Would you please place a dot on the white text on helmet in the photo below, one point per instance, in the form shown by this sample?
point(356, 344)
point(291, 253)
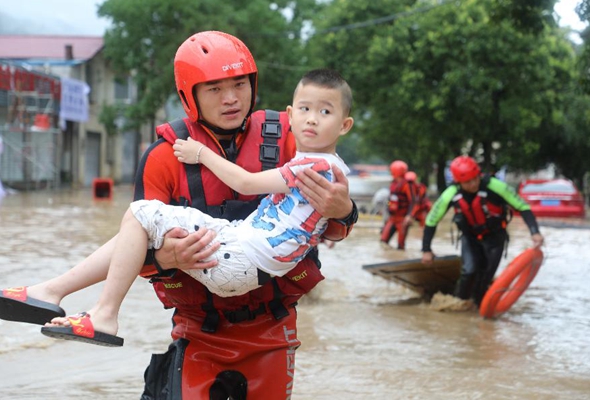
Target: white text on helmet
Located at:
point(232, 66)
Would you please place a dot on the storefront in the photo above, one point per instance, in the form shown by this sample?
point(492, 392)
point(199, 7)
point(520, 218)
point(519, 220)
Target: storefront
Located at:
point(29, 107)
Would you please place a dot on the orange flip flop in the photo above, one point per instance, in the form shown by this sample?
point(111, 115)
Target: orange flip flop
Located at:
point(82, 330)
point(16, 306)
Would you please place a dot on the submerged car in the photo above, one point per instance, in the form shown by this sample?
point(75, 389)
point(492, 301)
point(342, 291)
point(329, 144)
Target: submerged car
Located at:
point(553, 198)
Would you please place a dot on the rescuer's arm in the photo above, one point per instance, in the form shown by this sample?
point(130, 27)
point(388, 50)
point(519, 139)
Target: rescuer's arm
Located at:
point(519, 204)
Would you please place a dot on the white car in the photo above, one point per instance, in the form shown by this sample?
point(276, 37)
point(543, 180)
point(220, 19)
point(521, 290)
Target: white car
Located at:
point(364, 182)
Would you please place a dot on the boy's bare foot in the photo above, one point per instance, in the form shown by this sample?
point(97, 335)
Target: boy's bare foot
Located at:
point(100, 321)
point(81, 328)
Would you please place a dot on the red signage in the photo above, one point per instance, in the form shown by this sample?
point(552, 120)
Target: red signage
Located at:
point(18, 79)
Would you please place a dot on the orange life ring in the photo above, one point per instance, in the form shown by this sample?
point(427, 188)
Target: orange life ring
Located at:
point(506, 289)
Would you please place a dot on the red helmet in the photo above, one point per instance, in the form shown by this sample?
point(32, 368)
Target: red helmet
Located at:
point(464, 168)
point(410, 176)
point(398, 168)
point(209, 56)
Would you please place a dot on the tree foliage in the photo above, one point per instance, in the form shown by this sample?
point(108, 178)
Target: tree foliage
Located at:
point(455, 77)
point(432, 79)
point(145, 35)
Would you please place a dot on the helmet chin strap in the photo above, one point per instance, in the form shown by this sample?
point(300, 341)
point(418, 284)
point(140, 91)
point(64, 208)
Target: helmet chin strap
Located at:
point(220, 131)
point(229, 145)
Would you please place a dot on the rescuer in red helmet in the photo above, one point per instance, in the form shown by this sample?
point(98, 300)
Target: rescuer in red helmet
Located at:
point(419, 194)
point(230, 344)
point(224, 347)
point(481, 207)
point(400, 206)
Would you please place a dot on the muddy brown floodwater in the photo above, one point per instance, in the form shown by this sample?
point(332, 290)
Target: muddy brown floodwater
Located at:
point(363, 337)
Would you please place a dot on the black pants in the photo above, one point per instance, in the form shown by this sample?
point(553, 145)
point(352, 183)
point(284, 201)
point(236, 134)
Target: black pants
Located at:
point(480, 260)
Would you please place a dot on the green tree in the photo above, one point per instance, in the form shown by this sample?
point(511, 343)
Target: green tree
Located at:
point(431, 79)
point(444, 78)
point(145, 35)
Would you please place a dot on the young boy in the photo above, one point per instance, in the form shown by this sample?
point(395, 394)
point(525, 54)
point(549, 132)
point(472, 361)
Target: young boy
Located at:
point(277, 235)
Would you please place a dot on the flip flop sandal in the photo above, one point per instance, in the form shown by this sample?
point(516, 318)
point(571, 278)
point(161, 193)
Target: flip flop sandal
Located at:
point(82, 330)
point(16, 306)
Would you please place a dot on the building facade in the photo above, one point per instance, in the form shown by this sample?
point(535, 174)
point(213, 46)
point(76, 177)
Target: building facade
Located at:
point(43, 146)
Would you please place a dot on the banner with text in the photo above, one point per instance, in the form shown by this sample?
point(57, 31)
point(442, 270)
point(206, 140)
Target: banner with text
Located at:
point(74, 100)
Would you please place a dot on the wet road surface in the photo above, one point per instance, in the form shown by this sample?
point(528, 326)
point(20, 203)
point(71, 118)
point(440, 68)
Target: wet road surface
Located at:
point(363, 337)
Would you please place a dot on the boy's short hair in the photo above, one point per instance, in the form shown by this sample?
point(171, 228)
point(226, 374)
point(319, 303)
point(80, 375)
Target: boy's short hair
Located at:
point(331, 79)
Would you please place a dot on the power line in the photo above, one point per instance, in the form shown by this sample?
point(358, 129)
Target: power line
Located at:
point(382, 20)
point(364, 24)
point(356, 25)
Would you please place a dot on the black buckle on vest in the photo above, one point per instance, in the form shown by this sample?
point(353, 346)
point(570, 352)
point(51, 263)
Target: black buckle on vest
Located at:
point(278, 309)
point(211, 322)
point(269, 153)
point(276, 306)
point(271, 130)
point(244, 314)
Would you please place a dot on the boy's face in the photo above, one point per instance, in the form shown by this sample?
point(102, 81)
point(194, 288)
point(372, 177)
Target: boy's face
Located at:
point(225, 103)
point(317, 118)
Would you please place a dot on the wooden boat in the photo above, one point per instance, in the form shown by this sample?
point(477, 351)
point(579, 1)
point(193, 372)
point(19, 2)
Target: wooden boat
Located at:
point(440, 276)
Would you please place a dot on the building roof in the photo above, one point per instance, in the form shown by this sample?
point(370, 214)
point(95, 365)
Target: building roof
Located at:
point(49, 47)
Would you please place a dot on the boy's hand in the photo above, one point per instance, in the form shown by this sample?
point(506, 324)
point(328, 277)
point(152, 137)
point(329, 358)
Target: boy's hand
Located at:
point(187, 151)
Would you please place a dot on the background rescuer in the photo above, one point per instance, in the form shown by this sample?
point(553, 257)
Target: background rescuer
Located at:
point(481, 208)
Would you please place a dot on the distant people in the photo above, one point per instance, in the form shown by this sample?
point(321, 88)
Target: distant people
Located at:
point(400, 207)
point(481, 206)
point(419, 193)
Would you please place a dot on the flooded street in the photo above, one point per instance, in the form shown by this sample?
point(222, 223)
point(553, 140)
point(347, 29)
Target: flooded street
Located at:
point(362, 336)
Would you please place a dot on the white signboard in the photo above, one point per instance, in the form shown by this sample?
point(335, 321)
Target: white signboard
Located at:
point(74, 100)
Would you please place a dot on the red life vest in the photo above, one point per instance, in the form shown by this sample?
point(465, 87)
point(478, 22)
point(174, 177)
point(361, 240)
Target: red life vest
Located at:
point(481, 215)
point(400, 197)
point(283, 291)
